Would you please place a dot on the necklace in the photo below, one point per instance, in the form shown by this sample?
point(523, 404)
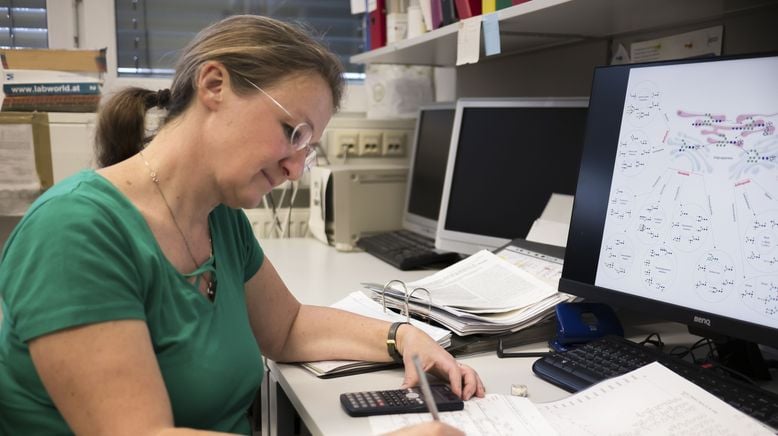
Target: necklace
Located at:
point(210, 289)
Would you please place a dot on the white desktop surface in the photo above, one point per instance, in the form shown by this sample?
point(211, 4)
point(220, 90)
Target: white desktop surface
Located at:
point(318, 274)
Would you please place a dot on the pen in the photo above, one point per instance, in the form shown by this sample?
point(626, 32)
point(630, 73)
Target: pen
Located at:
point(429, 400)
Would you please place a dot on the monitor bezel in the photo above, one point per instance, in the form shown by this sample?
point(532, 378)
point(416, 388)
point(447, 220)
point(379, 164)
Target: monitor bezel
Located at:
point(700, 321)
point(469, 243)
point(411, 221)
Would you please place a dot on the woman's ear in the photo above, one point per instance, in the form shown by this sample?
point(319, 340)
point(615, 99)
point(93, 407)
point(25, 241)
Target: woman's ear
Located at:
point(212, 83)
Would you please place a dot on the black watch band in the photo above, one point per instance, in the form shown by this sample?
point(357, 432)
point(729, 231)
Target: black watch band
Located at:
point(391, 342)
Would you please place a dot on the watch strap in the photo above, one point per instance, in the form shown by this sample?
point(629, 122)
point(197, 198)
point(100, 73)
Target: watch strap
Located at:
point(391, 342)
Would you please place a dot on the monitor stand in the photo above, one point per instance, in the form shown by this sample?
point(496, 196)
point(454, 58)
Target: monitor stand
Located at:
point(742, 356)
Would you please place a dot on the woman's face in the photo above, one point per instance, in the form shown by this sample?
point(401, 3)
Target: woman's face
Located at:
point(256, 153)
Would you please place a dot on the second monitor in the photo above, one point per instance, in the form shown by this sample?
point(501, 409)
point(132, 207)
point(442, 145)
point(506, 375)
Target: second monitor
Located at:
point(507, 157)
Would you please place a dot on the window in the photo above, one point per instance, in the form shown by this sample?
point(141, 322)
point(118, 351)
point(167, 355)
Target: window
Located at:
point(151, 32)
point(23, 24)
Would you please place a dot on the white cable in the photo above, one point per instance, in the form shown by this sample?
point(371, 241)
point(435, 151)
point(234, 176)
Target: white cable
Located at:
point(295, 186)
point(279, 228)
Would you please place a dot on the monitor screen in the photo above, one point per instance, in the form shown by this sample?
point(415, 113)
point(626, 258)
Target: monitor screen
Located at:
point(676, 210)
point(507, 157)
point(428, 168)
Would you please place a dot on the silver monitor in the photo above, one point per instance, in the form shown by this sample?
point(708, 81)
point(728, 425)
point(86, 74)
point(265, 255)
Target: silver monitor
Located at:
point(428, 168)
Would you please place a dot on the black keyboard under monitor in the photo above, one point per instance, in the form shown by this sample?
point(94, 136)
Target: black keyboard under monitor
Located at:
point(405, 249)
point(612, 356)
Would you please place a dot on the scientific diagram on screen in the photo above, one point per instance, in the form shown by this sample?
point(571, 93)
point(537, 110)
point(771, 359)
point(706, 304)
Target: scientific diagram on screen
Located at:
point(692, 214)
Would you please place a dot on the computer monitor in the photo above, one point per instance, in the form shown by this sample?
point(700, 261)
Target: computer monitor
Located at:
point(428, 168)
point(676, 210)
point(507, 157)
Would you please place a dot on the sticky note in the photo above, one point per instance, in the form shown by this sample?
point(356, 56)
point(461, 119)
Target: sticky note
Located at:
point(469, 40)
point(491, 34)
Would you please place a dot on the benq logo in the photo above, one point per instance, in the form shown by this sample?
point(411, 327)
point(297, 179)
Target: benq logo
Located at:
point(701, 320)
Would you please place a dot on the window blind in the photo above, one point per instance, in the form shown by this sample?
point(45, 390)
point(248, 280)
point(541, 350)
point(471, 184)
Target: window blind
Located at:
point(150, 33)
point(23, 24)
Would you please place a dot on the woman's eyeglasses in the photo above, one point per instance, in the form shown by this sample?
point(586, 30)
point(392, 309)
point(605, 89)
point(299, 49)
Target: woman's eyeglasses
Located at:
point(299, 135)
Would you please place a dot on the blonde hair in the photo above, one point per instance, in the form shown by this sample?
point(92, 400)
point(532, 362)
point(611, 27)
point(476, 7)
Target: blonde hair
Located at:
point(252, 48)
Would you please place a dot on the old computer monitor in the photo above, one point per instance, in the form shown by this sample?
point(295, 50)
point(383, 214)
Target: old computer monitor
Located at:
point(676, 210)
point(507, 157)
point(429, 155)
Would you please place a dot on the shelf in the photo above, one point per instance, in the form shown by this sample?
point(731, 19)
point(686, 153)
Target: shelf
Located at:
point(540, 24)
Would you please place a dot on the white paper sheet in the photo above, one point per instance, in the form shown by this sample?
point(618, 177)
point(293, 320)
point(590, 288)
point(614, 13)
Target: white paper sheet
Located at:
point(492, 415)
point(650, 401)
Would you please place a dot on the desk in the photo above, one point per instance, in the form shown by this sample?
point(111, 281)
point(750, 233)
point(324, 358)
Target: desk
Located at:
point(317, 274)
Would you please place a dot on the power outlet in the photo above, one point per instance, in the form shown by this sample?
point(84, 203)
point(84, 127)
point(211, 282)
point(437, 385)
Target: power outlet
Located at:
point(345, 142)
point(394, 143)
point(370, 143)
point(264, 228)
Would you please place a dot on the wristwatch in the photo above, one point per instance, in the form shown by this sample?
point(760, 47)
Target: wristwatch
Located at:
point(391, 342)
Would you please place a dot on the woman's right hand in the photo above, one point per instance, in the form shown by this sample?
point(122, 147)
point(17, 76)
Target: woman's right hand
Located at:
point(435, 428)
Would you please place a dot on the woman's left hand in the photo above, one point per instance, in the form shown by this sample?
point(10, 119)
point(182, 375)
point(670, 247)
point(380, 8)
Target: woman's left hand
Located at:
point(463, 379)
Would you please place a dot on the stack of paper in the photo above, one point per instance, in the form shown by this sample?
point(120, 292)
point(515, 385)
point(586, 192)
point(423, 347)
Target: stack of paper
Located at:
point(358, 302)
point(480, 294)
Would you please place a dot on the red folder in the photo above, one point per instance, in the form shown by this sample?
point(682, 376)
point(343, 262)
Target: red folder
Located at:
point(377, 22)
point(468, 8)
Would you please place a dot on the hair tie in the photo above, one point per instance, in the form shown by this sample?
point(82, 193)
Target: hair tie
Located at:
point(163, 98)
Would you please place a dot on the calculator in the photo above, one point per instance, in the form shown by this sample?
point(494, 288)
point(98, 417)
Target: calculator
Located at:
point(409, 400)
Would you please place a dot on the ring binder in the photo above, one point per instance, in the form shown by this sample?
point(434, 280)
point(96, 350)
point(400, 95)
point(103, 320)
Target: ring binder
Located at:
point(429, 304)
point(388, 285)
point(407, 299)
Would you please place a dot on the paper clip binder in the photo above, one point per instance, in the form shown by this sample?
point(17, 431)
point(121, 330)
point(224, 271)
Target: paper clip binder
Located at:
point(408, 296)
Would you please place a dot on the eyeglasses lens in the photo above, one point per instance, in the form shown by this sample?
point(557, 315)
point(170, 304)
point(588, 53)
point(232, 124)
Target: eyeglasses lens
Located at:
point(301, 136)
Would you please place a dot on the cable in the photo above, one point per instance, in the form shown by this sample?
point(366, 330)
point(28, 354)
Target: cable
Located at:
point(295, 186)
point(655, 342)
point(323, 153)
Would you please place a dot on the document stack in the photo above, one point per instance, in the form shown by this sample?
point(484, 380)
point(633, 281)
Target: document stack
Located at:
point(482, 294)
point(52, 80)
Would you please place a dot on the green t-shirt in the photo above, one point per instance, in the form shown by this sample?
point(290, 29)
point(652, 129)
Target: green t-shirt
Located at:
point(84, 254)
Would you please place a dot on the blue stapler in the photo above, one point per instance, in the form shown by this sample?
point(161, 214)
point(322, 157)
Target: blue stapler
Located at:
point(579, 323)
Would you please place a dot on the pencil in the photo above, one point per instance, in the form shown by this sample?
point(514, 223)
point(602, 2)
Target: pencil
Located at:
point(429, 400)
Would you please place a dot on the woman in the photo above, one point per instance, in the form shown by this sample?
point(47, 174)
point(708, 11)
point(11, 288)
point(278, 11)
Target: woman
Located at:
point(136, 299)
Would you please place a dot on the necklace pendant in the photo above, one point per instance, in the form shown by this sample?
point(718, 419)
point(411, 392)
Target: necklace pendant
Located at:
point(210, 291)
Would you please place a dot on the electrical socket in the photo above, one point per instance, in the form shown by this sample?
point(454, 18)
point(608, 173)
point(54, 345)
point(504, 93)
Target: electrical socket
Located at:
point(370, 143)
point(394, 143)
point(345, 142)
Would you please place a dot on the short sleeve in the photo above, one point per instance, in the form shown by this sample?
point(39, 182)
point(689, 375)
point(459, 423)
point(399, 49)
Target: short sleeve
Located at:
point(253, 254)
point(69, 263)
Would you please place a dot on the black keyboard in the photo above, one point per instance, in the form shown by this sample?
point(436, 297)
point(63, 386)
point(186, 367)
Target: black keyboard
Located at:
point(405, 249)
point(612, 356)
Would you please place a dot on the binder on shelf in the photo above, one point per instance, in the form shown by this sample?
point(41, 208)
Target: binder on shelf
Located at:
point(377, 25)
point(448, 12)
point(488, 6)
point(468, 8)
point(436, 13)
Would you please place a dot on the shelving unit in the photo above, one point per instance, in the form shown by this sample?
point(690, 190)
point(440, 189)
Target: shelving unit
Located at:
point(541, 24)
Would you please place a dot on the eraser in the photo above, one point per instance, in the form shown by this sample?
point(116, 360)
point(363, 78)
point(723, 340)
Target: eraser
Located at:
point(519, 390)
